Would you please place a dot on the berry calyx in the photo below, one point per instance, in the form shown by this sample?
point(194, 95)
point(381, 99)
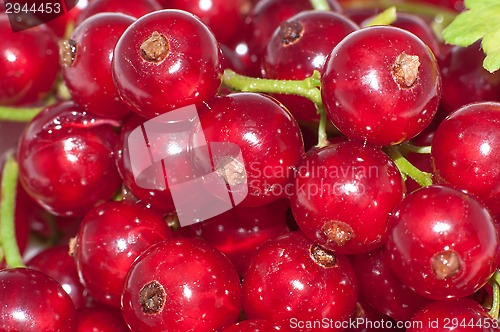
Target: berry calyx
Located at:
point(155, 48)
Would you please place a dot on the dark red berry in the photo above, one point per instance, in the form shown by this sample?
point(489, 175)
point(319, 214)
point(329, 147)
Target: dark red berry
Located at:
point(181, 285)
point(293, 281)
point(136, 8)
point(29, 64)
point(466, 152)
point(65, 156)
point(100, 319)
point(443, 243)
point(344, 194)
point(86, 58)
point(32, 301)
point(381, 85)
point(166, 60)
point(110, 238)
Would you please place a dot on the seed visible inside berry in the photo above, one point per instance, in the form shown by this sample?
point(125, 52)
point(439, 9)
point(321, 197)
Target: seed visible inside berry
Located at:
point(446, 264)
point(152, 297)
point(155, 48)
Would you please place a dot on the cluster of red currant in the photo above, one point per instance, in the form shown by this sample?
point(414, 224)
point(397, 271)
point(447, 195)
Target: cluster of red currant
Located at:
point(355, 157)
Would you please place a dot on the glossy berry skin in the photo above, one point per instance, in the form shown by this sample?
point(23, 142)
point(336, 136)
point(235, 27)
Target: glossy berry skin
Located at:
point(299, 46)
point(110, 238)
point(87, 72)
point(458, 315)
point(381, 85)
point(79, 149)
point(443, 243)
point(181, 285)
point(166, 60)
point(344, 194)
point(465, 81)
point(57, 263)
point(224, 18)
point(465, 152)
point(293, 280)
point(137, 8)
point(34, 302)
point(268, 136)
point(239, 232)
point(29, 64)
point(382, 289)
point(100, 319)
point(256, 325)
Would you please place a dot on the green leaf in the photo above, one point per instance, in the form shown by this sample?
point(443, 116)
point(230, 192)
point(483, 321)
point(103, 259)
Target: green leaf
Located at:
point(481, 20)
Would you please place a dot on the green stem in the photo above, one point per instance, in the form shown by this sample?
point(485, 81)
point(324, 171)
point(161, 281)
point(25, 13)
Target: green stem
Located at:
point(422, 178)
point(439, 13)
point(320, 5)
point(415, 149)
point(308, 87)
point(7, 211)
point(386, 17)
point(495, 306)
point(322, 136)
point(18, 114)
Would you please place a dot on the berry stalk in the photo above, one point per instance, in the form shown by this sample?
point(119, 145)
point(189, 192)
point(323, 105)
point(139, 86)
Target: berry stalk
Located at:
point(424, 179)
point(495, 306)
point(386, 17)
point(308, 87)
point(7, 210)
point(415, 149)
point(18, 114)
point(320, 5)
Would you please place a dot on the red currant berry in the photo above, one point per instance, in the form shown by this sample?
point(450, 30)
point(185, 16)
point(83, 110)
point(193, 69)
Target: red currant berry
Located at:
point(256, 325)
point(166, 60)
point(459, 315)
point(268, 136)
point(86, 59)
point(136, 8)
point(110, 238)
point(79, 149)
point(181, 285)
point(101, 320)
point(466, 152)
point(443, 243)
point(32, 301)
point(299, 46)
point(344, 194)
point(382, 289)
point(59, 265)
point(381, 85)
point(29, 63)
point(292, 281)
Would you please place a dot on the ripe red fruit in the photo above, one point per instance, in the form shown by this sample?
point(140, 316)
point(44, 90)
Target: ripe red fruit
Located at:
point(166, 60)
point(86, 69)
point(136, 8)
point(29, 64)
point(181, 285)
point(466, 152)
point(381, 85)
point(443, 243)
point(293, 282)
point(32, 301)
point(65, 155)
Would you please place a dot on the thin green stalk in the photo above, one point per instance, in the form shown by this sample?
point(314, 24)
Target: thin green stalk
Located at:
point(386, 17)
point(495, 306)
point(322, 136)
point(415, 149)
point(320, 5)
point(414, 7)
point(424, 179)
point(7, 211)
point(308, 87)
point(18, 114)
